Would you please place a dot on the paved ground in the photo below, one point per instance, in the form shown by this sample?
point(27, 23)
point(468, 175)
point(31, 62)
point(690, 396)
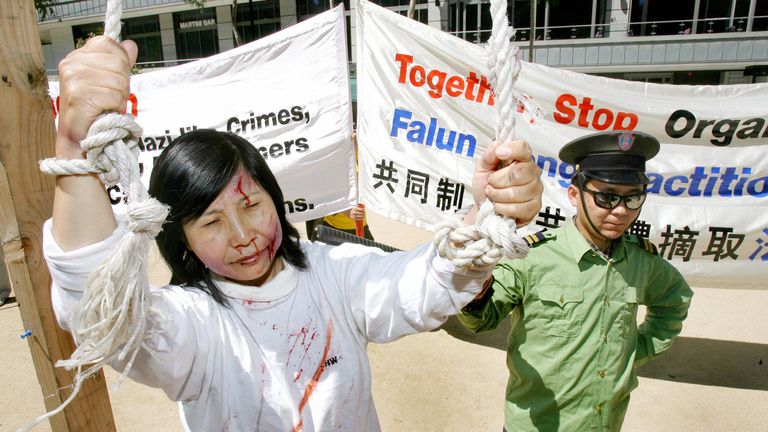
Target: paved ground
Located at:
point(715, 377)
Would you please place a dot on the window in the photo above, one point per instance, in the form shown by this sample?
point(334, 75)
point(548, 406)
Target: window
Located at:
point(569, 19)
point(196, 34)
point(82, 33)
point(145, 31)
point(258, 19)
point(306, 9)
point(421, 15)
point(652, 77)
point(470, 20)
point(394, 3)
point(662, 18)
point(720, 16)
point(761, 16)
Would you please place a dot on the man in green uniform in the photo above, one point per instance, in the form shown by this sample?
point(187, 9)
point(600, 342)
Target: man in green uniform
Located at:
point(575, 342)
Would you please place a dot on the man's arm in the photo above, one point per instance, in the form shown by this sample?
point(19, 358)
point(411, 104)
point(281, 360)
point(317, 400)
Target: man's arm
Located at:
point(504, 291)
point(667, 307)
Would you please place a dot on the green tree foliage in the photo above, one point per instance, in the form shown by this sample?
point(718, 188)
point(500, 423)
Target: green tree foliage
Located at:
point(45, 7)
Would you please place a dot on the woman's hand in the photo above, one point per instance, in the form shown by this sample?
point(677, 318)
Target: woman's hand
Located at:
point(93, 79)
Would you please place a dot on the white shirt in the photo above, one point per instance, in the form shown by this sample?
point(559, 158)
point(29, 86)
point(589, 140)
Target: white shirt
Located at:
point(289, 355)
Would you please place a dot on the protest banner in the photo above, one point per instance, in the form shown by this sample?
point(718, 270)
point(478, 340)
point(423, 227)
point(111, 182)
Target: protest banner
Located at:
point(288, 94)
point(426, 112)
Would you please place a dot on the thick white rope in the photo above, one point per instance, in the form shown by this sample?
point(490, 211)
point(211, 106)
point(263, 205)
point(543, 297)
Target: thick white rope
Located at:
point(109, 323)
point(482, 244)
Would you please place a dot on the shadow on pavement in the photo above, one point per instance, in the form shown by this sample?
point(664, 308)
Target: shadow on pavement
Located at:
point(710, 362)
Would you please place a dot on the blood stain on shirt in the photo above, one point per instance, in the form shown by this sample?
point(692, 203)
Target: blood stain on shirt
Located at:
point(316, 376)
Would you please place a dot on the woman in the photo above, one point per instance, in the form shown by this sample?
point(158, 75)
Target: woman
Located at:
point(256, 331)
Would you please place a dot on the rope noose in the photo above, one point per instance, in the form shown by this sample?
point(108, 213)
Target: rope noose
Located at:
point(110, 322)
point(483, 244)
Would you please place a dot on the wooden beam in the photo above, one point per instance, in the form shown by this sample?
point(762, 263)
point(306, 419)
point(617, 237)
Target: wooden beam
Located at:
point(26, 200)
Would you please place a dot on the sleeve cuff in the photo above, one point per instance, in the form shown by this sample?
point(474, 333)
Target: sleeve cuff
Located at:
point(477, 305)
point(69, 270)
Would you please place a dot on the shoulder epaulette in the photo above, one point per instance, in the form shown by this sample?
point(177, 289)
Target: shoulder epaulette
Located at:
point(540, 236)
point(645, 244)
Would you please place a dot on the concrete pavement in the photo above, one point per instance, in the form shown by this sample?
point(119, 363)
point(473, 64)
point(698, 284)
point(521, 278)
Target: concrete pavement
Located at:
point(714, 378)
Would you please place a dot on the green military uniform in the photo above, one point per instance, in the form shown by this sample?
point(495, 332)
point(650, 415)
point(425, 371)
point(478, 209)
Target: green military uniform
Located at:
point(575, 341)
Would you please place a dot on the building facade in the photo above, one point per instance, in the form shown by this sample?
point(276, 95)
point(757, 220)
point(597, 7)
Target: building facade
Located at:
point(678, 42)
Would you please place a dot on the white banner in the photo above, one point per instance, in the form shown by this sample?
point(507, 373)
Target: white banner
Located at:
point(426, 112)
point(288, 94)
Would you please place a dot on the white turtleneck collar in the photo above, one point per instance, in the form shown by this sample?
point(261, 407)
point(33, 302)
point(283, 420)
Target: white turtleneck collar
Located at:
point(278, 287)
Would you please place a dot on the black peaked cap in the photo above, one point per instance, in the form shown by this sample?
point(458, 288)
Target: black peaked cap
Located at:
point(612, 157)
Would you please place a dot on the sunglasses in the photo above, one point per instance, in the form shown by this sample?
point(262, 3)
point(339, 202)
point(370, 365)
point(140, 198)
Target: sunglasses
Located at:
point(608, 200)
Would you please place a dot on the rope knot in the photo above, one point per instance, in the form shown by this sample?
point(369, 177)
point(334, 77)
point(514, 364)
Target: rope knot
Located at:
point(111, 146)
point(480, 245)
point(501, 231)
point(147, 216)
point(111, 136)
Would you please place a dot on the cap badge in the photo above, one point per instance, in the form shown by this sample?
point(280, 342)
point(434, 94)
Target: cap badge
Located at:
point(626, 140)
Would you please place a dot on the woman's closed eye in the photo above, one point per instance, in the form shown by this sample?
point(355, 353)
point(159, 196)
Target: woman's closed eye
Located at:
point(210, 223)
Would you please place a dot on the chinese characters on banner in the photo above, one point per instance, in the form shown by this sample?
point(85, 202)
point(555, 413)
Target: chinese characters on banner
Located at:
point(426, 112)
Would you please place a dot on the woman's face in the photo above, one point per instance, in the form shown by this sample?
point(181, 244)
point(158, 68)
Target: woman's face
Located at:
point(239, 234)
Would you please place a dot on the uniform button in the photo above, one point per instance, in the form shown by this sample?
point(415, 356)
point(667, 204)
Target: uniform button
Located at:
point(598, 407)
point(562, 299)
point(602, 374)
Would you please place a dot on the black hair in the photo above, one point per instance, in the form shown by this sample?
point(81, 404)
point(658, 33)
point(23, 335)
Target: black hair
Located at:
point(188, 176)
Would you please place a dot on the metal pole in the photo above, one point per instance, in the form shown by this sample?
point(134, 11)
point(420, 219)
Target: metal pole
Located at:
point(533, 31)
point(250, 11)
point(695, 26)
point(751, 18)
point(412, 9)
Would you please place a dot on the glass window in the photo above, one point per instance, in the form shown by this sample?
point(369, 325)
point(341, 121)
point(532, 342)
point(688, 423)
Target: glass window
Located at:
point(715, 17)
point(422, 15)
point(145, 31)
point(393, 3)
point(348, 21)
point(663, 18)
point(82, 33)
point(470, 20)
point(196, 34)
point(570, 19)
point(305, 9)
point(761, 16)
point(651, 77)
point(519, 12)
point(258, 19)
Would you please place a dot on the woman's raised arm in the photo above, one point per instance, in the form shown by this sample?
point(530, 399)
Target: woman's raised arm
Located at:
point(93, 79)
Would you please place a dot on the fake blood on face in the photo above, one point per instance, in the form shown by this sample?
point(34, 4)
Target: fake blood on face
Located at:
point(239, 189)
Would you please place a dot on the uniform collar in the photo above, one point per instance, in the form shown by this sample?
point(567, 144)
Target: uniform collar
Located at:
point(280, 286)
point(581, 249)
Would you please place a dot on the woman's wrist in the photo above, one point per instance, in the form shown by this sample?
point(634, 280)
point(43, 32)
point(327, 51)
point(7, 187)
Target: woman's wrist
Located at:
point(67, 148)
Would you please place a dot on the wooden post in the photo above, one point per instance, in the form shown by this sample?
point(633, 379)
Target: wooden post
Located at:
point(26, 200)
